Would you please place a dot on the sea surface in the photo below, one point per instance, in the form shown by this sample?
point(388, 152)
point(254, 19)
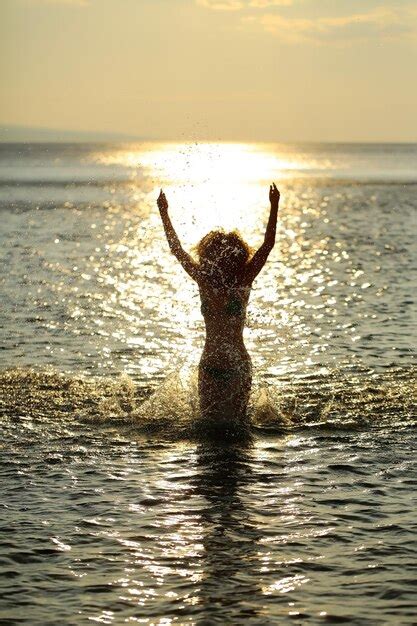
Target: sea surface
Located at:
point(112, 510)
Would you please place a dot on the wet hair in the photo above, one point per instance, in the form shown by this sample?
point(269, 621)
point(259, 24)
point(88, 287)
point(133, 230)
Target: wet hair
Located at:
point(223, 256)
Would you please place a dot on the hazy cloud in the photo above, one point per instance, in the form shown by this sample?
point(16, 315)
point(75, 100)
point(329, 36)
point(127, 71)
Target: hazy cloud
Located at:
point(381, 23)
point(262, 4)
point(237, 5)
point(221, 5)
point(80, 3)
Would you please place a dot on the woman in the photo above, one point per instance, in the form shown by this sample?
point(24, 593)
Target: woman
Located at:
point(224, 274)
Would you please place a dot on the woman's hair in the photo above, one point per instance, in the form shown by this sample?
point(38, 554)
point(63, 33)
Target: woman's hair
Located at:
point(223, 256)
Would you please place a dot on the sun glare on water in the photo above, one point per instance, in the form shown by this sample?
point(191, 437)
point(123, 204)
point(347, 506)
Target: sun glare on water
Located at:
point(209, 185)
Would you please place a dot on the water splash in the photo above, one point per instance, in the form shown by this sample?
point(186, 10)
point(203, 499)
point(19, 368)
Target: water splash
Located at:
point(333, 400)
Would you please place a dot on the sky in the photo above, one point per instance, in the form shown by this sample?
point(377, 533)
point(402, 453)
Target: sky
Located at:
point(220, 70)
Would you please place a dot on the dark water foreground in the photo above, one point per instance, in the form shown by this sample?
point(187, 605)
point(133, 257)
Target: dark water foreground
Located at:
point(113, 517)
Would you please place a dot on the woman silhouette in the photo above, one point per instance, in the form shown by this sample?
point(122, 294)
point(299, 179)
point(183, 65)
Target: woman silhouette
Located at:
point(224, 274)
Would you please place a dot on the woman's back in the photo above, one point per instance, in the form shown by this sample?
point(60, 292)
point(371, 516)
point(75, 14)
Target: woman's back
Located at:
point(224, 274)
point(224, 312)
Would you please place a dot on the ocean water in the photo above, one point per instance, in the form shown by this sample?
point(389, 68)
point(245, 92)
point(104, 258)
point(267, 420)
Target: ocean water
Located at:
point(112, 511)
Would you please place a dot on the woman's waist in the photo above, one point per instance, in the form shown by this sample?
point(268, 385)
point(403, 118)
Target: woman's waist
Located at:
point(225, 330)
point(221, 354)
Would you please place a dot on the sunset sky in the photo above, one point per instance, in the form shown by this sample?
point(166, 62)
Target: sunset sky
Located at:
point(278, 70)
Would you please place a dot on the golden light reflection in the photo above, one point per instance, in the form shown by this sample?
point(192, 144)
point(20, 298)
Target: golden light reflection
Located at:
point(200, 162)
point(286, 584)
point(155, 308)
point(212, 184)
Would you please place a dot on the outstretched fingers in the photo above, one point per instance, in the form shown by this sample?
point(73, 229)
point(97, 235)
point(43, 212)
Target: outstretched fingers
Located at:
point(274, 194)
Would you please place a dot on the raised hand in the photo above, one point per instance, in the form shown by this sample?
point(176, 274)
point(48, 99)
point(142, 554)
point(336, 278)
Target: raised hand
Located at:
point(274, 195)
point(162, 202)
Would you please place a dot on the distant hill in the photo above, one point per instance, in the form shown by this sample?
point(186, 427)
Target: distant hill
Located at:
point(27, 134)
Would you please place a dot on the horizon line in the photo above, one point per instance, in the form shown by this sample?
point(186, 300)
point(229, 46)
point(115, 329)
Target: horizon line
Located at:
point(20, 134)
point(209, 141)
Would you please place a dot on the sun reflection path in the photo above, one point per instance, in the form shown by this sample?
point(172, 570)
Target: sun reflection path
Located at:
point(226, 185)
point(210, 185)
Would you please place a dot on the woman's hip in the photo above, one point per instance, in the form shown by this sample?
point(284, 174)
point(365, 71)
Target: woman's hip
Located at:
point(225, 372)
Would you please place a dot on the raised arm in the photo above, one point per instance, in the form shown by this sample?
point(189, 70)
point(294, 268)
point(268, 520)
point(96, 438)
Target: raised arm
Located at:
point(259, 258)
point(177, 250)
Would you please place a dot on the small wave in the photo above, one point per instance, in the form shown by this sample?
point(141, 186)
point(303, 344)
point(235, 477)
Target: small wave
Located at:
point(47, 394)
point(331, 401)
point(73, 183)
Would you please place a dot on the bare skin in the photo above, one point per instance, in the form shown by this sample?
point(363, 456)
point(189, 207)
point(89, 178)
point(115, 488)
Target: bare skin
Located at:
point(225, 372)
